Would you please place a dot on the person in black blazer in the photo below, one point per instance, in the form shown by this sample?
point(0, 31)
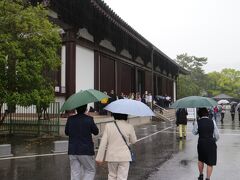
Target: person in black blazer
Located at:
point(207, 149)
point(80, 128)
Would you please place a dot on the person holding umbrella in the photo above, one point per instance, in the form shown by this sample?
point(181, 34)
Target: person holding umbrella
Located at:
point(207, 148)
point(80, 128)
point(221, 109)
point(118, 135)
point(117, 151)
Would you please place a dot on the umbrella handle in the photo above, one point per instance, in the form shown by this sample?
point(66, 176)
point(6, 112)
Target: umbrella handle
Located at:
point(194, 121)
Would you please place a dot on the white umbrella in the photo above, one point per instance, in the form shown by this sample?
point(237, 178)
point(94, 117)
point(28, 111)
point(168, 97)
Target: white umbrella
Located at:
point(129, 106)
point(233, 103)
point(223, 101)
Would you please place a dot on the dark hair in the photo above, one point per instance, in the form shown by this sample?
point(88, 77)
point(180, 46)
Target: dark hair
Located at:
point(202, 112)
point(81, 109)
point(120, 116)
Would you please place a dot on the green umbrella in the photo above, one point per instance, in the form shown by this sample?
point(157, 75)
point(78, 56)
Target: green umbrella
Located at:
point(194, 102)
point(83, 97)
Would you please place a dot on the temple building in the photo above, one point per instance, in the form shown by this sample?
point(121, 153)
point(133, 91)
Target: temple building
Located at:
point(101, 51)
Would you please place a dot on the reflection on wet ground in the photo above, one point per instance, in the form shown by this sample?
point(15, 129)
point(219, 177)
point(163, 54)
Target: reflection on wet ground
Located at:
point(183, 165)
point(159, 156)
point(30, 145)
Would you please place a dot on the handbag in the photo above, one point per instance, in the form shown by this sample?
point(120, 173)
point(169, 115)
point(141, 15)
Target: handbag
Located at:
point(131, 152)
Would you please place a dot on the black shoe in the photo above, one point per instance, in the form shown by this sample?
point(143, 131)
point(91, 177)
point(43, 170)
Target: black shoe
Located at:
point(207, 179)
point(200, 177)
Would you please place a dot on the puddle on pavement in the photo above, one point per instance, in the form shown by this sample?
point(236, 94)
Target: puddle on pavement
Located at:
point(184, 162)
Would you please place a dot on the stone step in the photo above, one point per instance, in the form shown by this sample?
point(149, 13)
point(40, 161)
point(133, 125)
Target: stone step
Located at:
point(5, 150)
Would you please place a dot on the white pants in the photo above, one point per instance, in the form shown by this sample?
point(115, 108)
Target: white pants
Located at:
point(118, 170)
point(82, 167)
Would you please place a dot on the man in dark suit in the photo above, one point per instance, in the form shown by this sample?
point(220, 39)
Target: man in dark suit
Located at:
point(80, 128)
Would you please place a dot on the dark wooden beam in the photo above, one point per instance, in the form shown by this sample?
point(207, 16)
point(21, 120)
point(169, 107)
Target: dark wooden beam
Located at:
point(70, 63)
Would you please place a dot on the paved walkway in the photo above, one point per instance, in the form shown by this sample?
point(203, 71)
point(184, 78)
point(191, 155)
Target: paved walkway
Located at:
point(183, 165)
point(160, 156)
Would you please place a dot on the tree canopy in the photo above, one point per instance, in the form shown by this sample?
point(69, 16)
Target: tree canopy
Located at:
point(200, 84)
point(227, 81)
point(28, 52)
point(192, 84)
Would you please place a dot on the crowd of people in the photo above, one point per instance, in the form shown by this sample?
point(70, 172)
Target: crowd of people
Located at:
point(114, 146)
point(218, 112)
point(146, 98)
point(118, 135)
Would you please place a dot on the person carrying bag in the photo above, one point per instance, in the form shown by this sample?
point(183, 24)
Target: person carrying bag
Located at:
point(113, 147)
point(131, 152)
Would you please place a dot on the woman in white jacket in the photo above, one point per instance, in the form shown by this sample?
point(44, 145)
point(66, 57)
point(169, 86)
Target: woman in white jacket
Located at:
point(114, 148)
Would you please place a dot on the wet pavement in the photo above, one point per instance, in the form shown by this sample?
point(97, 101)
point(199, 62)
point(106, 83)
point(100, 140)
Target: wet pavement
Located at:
point(159, 156)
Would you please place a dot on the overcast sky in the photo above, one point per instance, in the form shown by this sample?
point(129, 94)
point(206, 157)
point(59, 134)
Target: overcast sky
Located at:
point(203, 28)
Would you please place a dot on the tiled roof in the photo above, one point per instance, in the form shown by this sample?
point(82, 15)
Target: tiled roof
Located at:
point(113, 17)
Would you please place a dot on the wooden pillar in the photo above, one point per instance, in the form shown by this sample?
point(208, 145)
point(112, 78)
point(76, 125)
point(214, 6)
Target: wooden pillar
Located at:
point(152, 73)
point(136, 79)
point(116, 77)
point(70, 63)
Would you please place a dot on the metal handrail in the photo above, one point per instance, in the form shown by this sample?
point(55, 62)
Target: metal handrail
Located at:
point(163, 109)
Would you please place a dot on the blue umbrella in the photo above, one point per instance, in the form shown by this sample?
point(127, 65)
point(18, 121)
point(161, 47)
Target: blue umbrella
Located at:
point(129, 106)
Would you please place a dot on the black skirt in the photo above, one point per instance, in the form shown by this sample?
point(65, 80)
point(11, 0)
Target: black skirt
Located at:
point(207, 151)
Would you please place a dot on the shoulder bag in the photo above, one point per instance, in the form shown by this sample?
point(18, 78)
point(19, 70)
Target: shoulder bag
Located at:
point(131, 152)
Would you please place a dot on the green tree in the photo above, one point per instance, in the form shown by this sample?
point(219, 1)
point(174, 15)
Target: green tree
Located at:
point(213, 88)
point(194, 83)
point(227, 81)
point(28, 52)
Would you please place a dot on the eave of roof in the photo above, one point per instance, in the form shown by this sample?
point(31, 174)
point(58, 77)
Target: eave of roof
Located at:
point(112, 16)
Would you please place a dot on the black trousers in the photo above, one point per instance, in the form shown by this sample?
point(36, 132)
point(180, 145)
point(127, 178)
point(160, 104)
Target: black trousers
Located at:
point(222, 116)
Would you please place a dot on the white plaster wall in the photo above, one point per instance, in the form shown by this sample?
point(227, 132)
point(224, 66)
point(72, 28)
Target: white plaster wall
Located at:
point(84, 68)
point(61, 100)
point(174, 91)
point(63, 69)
